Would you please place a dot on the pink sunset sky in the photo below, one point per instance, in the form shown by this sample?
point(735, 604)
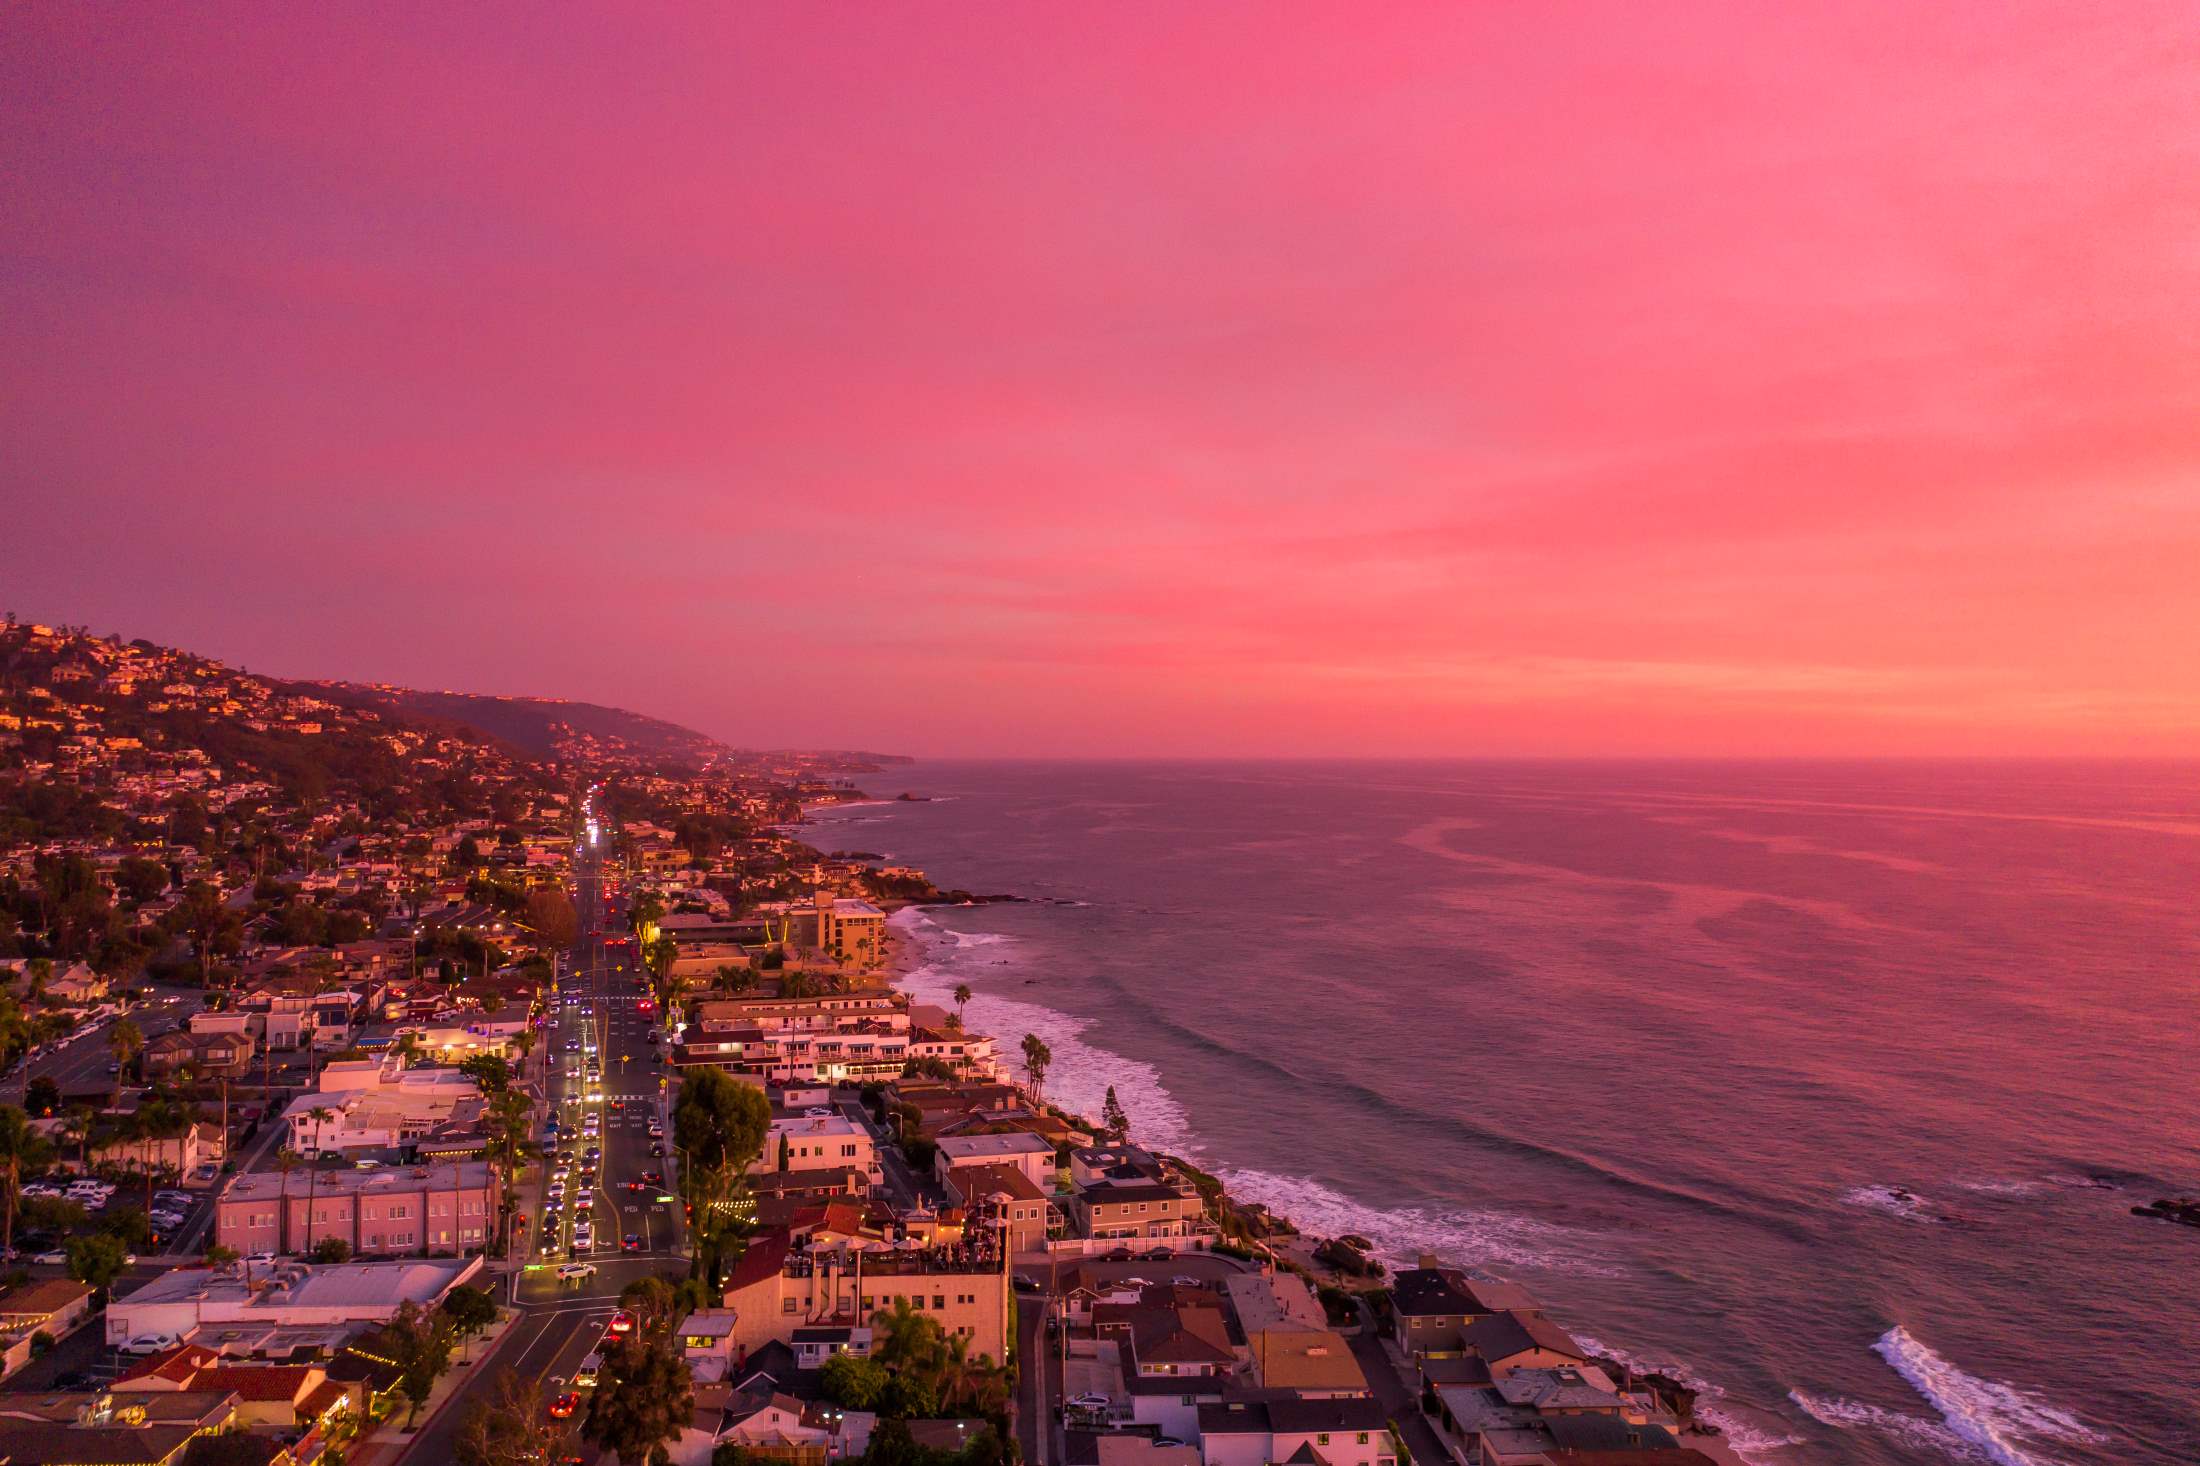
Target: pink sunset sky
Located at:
point(1123, 379)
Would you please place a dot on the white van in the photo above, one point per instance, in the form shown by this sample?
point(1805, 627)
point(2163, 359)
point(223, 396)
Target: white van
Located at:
point(584, 1378)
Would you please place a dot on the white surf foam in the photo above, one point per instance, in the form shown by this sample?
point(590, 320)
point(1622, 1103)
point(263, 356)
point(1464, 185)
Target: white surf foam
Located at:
point(1079, 1077)
point(1082, 1072)
point(2003, 1422)
point(1468, 1235)
point(1749, 1438)
point(1913, 1430)
point(1893, 1200)
point(2003, 1188)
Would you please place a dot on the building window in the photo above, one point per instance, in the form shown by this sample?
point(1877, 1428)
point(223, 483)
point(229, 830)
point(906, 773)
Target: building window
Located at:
point(786, 1305)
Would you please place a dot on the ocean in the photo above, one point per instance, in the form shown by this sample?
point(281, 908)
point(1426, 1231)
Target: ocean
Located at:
point(1827, 1086)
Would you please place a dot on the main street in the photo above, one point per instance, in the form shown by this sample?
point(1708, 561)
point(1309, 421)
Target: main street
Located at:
point(596, 1014)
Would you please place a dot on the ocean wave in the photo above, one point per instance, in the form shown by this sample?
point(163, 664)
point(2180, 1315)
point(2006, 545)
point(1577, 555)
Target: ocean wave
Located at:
point(1082, 1072)
point(2002, 1188)
point(1913, 1430)
point(1401, 1234)
point(2000, 1421)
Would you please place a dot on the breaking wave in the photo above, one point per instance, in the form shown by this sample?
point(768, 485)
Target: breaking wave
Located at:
point(1999, 1420)
point(1980, 1419)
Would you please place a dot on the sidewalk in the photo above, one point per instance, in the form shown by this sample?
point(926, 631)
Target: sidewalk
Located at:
point(388, 1444)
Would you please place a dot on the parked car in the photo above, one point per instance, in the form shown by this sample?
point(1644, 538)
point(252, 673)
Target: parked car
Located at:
point(1087, 1402)
point(59, 1257)
point(151, 1343)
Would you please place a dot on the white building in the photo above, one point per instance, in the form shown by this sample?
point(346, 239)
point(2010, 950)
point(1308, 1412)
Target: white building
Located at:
point(820, 1143)
point(1020, 1149)
point(290, 1294)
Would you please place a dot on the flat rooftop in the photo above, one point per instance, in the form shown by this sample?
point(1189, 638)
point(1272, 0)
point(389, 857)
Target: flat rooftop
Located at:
point(351, 1181)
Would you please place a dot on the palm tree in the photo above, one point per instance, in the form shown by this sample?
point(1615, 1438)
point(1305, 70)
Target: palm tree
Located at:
point(962, 1000)
point(77, 1126)
point(509, 1125)
point(20, 1146)
point(1037, 1056)
point(320, 1115)
point(125, 1042)
point(159, 1120)
point(286, 1161)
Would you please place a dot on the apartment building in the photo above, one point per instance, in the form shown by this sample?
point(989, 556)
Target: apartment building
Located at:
point(400, 1210)
point(776, 1289)
point(853, 931)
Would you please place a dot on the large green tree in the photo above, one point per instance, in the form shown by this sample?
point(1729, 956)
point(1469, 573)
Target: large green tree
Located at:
point(644, 1398)
point(719, 1124)
point(420, 1343)
point(550, 912)
point(513, 1427)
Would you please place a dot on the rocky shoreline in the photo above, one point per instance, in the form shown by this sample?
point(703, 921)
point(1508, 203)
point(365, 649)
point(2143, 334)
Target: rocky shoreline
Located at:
point(1345, 1273)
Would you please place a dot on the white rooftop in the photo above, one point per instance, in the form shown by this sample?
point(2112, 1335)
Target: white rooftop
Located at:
point(1017, 1142)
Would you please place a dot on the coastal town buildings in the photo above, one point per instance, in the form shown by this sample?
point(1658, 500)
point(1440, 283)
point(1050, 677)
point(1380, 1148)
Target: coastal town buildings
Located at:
point(421, 1211)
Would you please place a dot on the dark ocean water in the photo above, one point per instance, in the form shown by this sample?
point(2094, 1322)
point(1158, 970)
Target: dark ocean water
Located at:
point(1829, 1086)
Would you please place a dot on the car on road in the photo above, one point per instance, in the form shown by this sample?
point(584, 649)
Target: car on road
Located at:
point(563, 1406)
point(585, 1376)
point(59, 1257)
point(653, 1178)
point(657, 1148)
point(573, 1272)
point(622, 1324)
point(631, 1242)
point(656, 1131)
